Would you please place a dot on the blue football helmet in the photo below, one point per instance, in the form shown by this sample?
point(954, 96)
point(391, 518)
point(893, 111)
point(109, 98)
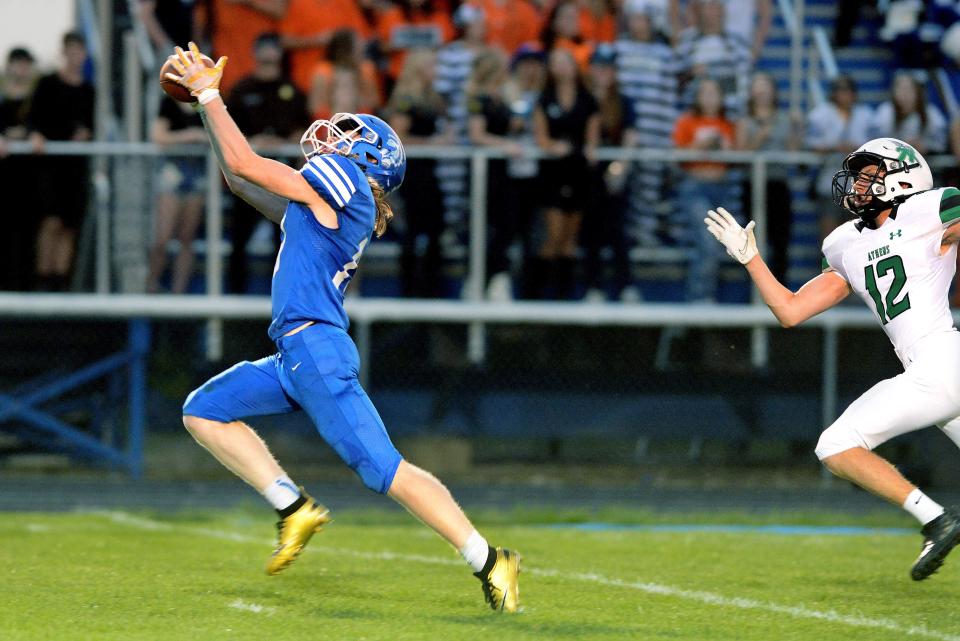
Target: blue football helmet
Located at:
point(366, 140)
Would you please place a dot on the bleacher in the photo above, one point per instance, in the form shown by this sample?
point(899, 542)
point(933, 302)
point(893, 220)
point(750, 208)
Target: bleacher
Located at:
point(868, 60)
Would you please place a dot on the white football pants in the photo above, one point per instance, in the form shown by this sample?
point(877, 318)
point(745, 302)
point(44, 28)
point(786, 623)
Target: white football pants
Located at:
point(927, 393)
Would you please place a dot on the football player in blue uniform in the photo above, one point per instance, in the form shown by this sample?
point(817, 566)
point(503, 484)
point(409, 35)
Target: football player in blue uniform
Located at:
point(328, 212)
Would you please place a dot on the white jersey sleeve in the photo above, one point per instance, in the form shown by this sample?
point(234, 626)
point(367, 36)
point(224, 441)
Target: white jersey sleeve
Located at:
point(833, 247)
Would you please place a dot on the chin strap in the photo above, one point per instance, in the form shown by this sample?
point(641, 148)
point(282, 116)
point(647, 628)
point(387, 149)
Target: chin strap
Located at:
point(872, 222)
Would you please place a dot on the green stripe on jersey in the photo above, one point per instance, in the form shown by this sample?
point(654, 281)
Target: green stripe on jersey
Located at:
point(949, 204)
point(824, 265)
point(950, 214)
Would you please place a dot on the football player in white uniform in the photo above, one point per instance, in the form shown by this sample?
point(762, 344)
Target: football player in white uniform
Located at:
point(899, 254)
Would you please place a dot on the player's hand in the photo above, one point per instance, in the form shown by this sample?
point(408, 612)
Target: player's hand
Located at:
point(196, 76)
point(739, 241)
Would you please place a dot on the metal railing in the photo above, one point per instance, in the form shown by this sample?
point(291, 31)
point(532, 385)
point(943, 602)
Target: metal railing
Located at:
point(474, 285)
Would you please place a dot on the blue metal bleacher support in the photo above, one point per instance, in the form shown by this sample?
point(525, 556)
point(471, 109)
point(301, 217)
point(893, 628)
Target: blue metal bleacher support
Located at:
point(23, 404)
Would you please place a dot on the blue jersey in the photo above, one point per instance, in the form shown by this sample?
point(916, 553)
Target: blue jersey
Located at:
point(315, 263)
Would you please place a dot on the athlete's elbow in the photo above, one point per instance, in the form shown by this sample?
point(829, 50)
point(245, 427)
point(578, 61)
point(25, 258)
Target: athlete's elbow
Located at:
point(241, 163)
point(786, 319)
point(787, 322)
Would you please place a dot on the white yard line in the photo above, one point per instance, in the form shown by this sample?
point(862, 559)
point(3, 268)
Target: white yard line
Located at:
point(708, 598)
point(253, 607)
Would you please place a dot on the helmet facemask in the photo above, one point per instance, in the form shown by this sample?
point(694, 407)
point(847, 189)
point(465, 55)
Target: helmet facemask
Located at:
point(338, 135)
point(861, 185)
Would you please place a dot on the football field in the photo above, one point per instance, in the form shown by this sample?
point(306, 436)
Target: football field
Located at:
point(131, 575)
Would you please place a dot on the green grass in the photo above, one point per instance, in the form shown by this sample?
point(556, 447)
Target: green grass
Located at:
point(100, 576)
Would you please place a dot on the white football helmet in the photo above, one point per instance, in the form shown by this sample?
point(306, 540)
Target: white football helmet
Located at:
point(901, 172)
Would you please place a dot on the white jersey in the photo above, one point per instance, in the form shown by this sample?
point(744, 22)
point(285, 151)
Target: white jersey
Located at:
point(898, 270)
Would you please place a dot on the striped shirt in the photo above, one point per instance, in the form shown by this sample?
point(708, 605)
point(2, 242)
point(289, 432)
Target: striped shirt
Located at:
point(725, 58)
point(647, 74)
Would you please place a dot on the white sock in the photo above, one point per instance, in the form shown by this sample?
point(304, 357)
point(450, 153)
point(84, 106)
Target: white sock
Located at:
point(281, 493)
point(922, 507)
point(474, 551)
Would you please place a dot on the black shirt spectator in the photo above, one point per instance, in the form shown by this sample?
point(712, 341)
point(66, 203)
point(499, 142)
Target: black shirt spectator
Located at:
point(270, 110)
point(17, 172)
point(62, 109)
point(417, 113)
point(567, 125)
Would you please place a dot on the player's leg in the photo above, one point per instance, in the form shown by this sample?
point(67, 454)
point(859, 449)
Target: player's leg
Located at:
point(919, 397)
point(211, 415)
point(320, 366)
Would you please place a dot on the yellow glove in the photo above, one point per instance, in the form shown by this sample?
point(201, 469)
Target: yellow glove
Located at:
point(202, 81)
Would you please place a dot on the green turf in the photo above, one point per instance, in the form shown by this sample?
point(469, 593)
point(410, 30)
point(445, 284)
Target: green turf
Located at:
point(97, 576)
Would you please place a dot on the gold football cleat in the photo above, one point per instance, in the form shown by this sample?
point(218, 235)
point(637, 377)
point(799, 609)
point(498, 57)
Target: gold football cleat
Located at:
point(501, 586)
point(295, 531)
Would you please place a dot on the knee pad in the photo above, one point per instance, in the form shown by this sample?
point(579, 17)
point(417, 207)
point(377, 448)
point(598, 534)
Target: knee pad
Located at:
point(837, 438)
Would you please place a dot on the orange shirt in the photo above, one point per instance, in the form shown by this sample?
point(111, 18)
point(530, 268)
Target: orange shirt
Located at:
point(597, 28)
point(392, 23)
point(581, 51)
point(234, 27)
point(306, 18)
point(510, 23)
point(689, 127)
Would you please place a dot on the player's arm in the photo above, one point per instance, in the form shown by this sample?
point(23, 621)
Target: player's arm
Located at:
point(951, 235)
point(949, 218)
point(269, 204)
point(790, 308)
point(238, 157)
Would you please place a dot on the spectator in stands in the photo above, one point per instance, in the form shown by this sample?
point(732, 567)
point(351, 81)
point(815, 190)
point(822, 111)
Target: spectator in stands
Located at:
point(598, 20)
point(306, 29)
point(608, 203)
point(704, 184)
point(62, 109)
point(168, 23)
point(750, 20)
point(709, 51)
point(345, 65)
point(17, 172)
point(454, 61)
point(835, 127)
point(232, 26)
point(567, 126)
point(182, 184)
point(916, 31)
point(909, 117)
point(647, 75)
point(490, 125)
point(412, 24)
point(523, 188)
point(562, 30)
point(666, 17)
point(766, 127)
point(510, 23)
point(270, 111)
point(416, 112)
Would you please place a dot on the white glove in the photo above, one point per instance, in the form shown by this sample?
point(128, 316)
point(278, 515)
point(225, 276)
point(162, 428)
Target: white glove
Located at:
point(739, 241)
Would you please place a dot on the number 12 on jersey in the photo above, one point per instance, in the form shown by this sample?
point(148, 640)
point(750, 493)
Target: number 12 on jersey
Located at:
point(888, 307)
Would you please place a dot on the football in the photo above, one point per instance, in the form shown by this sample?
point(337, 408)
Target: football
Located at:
point(172, 88)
